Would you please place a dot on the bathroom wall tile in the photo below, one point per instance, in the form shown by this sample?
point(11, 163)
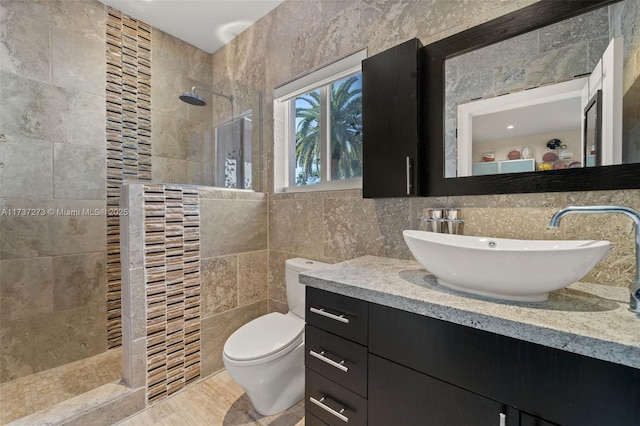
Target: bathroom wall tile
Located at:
point(170, 135)
point(79, 172)
point(24, 45)
point(253, 277)
point(219, 289)
point(26, 288)
point(38, 343)
point(53, 234)
point(177, 56)
point(277, 275)
point(276, 306)
point(232, 226)
point(217, 329)
point(44, 111)
point(296, 226)
point(134, 355)
point(216, 194)
point(28, 168)
point(134, 301)
point(250, 195)
point(79, 280)
point(169, 170)
point(131, 225)
point(357, 227)
point(544, 199)
point(77, 61)
point(335, 38)
point(508, 222)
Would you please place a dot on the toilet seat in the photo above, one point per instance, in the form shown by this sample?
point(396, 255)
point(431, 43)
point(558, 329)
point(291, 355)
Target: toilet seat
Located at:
point(264, 338)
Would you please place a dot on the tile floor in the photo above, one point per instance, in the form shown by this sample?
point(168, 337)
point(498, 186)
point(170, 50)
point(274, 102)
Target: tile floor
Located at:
point(38, 391)
point(215, 401)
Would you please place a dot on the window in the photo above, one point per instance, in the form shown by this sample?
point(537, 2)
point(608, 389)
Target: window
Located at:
point(321, 128)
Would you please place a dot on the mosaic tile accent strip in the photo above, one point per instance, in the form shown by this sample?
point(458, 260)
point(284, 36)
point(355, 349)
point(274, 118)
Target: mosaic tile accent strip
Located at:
point(172, 286)
point(128, 55)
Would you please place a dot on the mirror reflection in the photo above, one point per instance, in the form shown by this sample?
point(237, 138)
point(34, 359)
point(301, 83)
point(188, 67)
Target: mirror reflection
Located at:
point(560, 97)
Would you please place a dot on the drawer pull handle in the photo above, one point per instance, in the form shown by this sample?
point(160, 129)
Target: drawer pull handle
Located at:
point(330, 410)
point(324, 313)
point(503, 419)
point(321, 356)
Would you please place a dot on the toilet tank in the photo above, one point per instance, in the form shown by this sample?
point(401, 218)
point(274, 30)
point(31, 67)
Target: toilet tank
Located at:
point(295, 290)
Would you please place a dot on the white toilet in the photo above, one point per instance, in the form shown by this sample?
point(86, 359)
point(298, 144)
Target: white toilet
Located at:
point(266, 355)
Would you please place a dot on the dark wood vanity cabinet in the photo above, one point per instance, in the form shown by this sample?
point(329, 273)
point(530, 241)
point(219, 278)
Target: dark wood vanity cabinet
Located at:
point(392, 116)
point(425, 371)
point(336, 358)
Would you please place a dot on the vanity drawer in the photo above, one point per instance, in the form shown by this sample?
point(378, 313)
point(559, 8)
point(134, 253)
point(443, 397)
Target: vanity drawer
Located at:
point(337, 314)
point(311, 420)
point(332, 403)
point(336, 358)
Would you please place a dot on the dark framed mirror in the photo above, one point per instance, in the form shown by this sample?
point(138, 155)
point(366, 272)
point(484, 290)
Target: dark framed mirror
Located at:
point(621, 172)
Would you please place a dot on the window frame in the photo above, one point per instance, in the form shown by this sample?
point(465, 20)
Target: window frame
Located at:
point(285, 125)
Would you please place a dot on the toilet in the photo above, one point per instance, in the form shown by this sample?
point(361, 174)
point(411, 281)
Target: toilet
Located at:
point(266, 355)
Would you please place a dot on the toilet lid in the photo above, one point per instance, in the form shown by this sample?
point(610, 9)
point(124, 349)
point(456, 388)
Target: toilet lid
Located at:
point(263, 336)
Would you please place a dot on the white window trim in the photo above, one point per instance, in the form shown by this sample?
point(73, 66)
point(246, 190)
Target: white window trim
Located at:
point(335, 71)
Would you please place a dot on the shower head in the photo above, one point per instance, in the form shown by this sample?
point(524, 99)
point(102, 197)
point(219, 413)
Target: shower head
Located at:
point(193, 99)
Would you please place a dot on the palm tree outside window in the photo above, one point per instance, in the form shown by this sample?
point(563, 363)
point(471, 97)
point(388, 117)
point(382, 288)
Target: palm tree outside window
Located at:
point(328, 133)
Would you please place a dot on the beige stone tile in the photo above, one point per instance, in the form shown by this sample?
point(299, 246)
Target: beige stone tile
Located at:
point(79, 172)
point(296, 226)
point(276, 306)
point(24, 46)
point(252, 277)
point(357, 227)
point(232, 226)
point(44, 111)
point(79, 280)
point(277, 275)
point(217, 329)
point(169, 170)
point(38, 343)
point(53, 234)
point(170, 135)
point(219, 288)
point(39, 393)
point(28, 168)
point(26, 288)
point(78, 61)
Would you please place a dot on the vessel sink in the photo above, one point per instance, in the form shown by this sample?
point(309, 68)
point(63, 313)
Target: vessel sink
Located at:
point(518, 270)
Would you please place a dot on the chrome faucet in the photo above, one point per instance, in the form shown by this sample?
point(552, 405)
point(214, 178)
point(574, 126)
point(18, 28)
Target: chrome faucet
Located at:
point(634, 287)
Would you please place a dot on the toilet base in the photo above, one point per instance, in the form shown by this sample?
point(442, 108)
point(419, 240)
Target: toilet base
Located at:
point(273, 386)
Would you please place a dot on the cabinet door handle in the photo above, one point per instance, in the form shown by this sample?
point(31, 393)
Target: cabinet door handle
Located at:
point(408, 175)
point(330, 410)
point(503, 419)
point(321, 356)
point(324, 313)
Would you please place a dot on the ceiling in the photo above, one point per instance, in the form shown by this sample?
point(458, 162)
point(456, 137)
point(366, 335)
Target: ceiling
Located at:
point(206, 24)
point(549, 117)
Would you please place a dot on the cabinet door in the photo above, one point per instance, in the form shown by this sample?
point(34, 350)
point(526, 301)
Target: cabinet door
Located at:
point(392, 84)
point(401, 396)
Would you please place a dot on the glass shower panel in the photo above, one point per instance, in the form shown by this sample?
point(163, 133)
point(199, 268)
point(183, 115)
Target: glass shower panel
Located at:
point(233, 153)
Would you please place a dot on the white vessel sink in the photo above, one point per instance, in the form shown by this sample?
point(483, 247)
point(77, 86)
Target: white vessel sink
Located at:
point(519, 270)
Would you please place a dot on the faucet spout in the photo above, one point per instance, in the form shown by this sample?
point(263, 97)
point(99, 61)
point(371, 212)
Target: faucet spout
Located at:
point(634, 287)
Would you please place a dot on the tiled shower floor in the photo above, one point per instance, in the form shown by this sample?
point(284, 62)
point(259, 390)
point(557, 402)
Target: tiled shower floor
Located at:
point(38, 391)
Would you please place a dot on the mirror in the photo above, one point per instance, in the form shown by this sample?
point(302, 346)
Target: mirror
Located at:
point(501, 119)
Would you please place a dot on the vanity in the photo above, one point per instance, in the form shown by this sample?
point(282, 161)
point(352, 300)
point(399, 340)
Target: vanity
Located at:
point(387, 345)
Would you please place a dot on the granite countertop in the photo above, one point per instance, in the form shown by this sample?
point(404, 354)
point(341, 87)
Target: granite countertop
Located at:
point(586, 319)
